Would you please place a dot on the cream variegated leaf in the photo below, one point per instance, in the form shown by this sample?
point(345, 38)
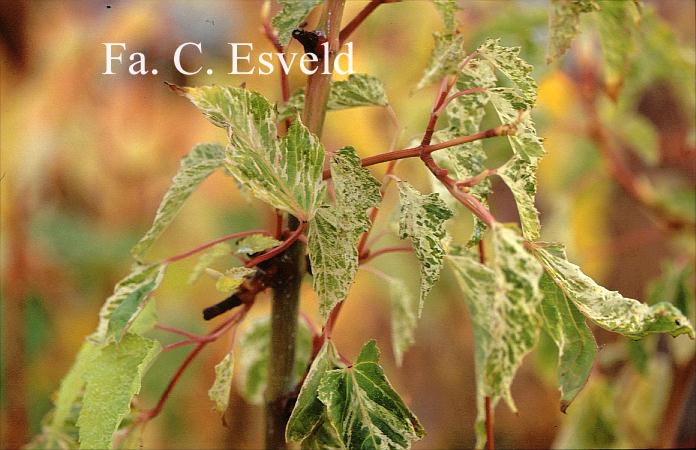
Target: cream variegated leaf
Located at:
point(404, 317)
point(203, 160)
point(422, 221)
point(576, 344)
point(292, 14)
point(564, 24)
point(448, 10)
point(520, 176)
point(128, 299)
point(286, 173)
point(357, 90)
point(335, 229)
point(507, 60)
point(609, 309)
point(363, 407)
point(254, 343)
point(504, 301)
point(447, 54)
point(510, 109)
point(112, 378)
point(309, 412)
point(323, 437)
point(219, 392)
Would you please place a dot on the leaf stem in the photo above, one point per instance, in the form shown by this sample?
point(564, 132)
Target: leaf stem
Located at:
point(209, 244)
point(490, 437)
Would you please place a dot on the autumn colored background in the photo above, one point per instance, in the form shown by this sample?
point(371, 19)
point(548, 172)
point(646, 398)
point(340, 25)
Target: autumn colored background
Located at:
point(86, 158)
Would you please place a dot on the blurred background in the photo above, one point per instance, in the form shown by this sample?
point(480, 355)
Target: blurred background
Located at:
point(86, 158)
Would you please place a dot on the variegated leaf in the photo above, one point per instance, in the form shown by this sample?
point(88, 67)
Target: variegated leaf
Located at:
point(609, 309)
point(291, 16)
point(333, 234)
point(128, 300)
point(520, 176)
point(576, 344)
point(309, 411)
point(422, 220)
point(203, 160)
point(112, 379)
point(357, 90)
point(504, 302)
point(448, 53)
point(507, 60)
point(323, 437)
point(219, 392)
point(448, 10)
point(404, 317)
point(564, 24)
point(510, 109)
point(285, 173)
point(364, 408)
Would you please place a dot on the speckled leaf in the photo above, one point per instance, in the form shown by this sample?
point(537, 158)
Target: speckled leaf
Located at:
point(609, 309)
point(524, 142)
point(447, 54)
point(112, 379)
point(520, 176)
point(291, 16)
point(448, 10)
point(128, 300)
point(333, 234)
point(256, 243)
point(576, 344)
point(286, 173)
point(207, 259)
point(219, 392)
point(564, 24)
point(422, 220)
point(309, 411)
point(617, 23)
point(504, 302)
point(364, 408)
point(357, 90)
point(203, 160)
point(507, 60)
point(253, 357)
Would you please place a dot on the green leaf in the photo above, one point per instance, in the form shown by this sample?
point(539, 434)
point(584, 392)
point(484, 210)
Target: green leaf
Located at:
point(309, 411)
point(207, 259)
point(323, 437)
point(422, 220)
point(520, 176)
point(334, 232)
point(253, 357)
point(113, 378)
point(507, 60)
point(448, 53)
point(576, 344)
point(448, 10)
point(228, 282)
point(203, 160)
point(404, 317)
point(364, 408)
point(256, 243)
point(357, 90)
point(564, 24)
point(285, 173)
point(291, 16)
point(504, 302)
point(219, 392)
point(617, 23)
point(128, 300)
point(609, 309)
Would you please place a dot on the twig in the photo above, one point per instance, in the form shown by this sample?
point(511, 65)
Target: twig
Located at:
point(207, 245)
point(279, 249)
